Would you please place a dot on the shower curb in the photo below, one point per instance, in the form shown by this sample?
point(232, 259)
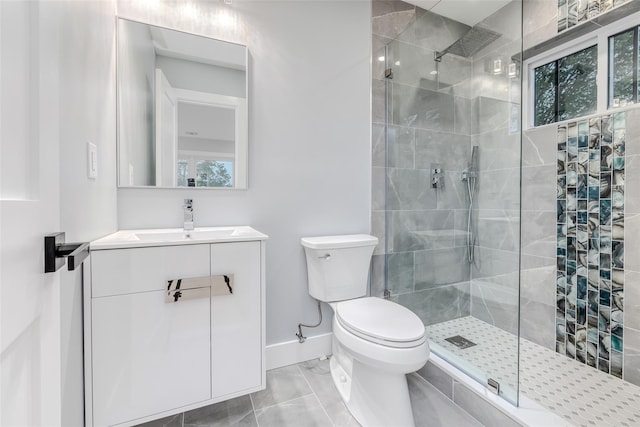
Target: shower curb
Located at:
point(482, 404)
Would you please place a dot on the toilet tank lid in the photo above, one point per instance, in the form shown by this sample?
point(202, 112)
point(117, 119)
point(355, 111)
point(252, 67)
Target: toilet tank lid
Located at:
point(335, 242)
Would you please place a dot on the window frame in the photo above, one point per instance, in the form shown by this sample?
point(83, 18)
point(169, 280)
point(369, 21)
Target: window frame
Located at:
point(636, 99)
point(600, 38)
point(558, 90)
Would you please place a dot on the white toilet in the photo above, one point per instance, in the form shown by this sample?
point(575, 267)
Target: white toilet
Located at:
point(376, 342)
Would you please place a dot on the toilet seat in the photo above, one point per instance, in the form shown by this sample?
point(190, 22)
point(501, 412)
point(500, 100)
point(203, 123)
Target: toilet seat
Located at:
point(381, 321)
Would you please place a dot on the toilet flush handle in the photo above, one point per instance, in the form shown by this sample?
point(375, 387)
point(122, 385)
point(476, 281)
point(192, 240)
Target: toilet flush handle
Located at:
point(326, 257)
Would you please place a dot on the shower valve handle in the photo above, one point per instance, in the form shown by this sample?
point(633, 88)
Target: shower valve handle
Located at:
point(437, 177)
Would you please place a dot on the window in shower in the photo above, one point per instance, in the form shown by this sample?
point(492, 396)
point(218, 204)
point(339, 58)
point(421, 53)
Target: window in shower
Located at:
point(566, 88)
point(590, 75)
point(623, 68)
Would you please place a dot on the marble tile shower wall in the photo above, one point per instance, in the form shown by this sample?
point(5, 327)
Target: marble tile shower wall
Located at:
point(429, 123)
point(538, 236)
point(495, 129)
point(538, 214)
point(606, 271)
point(436, 112)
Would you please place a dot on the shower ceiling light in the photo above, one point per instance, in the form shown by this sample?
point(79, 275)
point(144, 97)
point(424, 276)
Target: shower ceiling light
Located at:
point(497, 66)
point(381, 58)
point(397, 63)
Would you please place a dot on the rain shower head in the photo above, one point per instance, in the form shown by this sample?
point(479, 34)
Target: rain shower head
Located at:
point(474, 40)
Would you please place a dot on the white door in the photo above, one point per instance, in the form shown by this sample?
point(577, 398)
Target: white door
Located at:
point(166, 132)
point(30, 362)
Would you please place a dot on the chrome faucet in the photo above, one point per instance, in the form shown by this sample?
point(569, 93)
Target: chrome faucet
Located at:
point(188, 214)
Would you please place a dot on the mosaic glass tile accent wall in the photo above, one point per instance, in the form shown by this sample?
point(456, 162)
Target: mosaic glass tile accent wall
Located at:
point(590, 248)
point(574, 12)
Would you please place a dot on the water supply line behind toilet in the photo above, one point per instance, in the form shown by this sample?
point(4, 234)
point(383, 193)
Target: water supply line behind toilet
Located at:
point(302, 338)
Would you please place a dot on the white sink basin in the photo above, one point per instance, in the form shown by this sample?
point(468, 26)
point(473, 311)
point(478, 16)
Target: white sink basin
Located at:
point(197, 234)
point(176, 236)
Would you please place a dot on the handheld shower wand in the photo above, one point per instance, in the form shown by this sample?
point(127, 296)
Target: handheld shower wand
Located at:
point(470, 177)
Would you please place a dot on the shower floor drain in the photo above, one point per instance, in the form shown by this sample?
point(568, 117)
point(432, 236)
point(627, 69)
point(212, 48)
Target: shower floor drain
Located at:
point(460, 342)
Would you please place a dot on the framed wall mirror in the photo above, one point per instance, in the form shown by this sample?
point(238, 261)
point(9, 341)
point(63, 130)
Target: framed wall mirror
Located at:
point(182, 109)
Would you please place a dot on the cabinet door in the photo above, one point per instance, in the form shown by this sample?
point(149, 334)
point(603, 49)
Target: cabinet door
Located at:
point(149, 356)
point(236, 320)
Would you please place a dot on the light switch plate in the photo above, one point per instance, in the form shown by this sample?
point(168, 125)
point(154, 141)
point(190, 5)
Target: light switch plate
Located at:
point(92, 160)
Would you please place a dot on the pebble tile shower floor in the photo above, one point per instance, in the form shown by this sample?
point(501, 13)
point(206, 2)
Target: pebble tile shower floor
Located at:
point(582, 395)
point(304, 395)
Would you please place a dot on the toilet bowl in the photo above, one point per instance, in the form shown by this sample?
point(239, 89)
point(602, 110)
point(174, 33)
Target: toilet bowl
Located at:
point(376, 342)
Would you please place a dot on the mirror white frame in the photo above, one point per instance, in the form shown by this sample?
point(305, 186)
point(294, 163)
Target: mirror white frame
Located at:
point(148, 140)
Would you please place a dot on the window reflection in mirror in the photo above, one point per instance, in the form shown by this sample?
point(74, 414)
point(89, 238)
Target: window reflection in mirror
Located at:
point(182, 109)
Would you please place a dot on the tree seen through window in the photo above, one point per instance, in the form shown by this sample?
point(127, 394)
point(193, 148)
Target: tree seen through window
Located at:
point(205, 173)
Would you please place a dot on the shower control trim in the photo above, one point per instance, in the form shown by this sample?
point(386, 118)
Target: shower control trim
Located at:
point(437, 176)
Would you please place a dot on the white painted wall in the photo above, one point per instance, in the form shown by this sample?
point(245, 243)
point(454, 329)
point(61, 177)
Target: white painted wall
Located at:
point(87, 112)
point(309, 136)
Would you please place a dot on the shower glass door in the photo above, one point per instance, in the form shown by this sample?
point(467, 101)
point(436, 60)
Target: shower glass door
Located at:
point(447, 107)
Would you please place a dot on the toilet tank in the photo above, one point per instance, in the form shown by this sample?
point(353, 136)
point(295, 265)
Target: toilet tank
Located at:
point(338, 266)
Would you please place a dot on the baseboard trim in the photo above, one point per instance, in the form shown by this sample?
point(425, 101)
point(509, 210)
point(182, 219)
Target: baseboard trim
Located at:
point(292, 352)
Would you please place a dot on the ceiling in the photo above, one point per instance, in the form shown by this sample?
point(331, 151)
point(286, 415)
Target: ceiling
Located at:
point(191, 47)
point(204, 121)
point(468, 12)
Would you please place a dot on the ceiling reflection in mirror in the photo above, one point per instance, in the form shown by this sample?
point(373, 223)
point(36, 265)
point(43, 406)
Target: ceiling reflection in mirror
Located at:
point(182, 109)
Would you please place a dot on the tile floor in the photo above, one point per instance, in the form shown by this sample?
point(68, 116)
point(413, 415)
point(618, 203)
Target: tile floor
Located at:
point(304, 395)
point(582, 395)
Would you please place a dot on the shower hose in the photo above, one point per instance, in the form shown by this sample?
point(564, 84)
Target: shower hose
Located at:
point(471, 233)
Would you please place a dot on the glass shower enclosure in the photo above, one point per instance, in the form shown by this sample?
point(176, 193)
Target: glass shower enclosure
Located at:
point(447, 161)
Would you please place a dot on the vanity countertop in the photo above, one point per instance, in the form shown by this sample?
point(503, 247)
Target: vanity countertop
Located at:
point(176, 236)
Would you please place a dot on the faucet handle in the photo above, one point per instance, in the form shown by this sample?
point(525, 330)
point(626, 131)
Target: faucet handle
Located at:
point(188, 203)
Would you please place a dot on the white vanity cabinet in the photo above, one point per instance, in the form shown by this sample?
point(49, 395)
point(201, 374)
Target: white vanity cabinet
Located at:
point(236, 327)
point(148, 356)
